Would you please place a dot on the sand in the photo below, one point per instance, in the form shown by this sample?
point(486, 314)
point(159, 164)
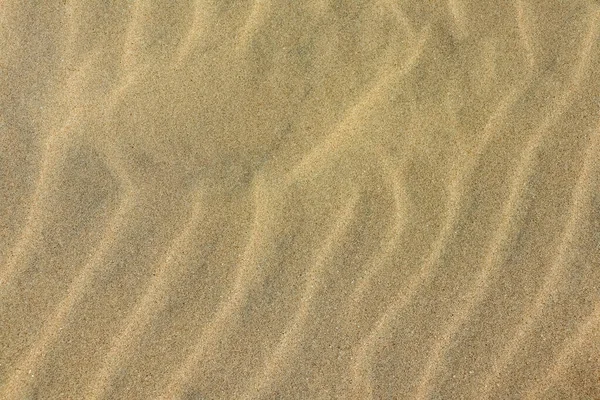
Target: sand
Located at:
point(319, 199)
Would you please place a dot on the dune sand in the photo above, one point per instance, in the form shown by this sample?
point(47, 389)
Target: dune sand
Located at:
point(323, 199)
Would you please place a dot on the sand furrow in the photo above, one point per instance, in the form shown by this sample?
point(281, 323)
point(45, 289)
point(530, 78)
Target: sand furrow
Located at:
point(274, 367)
point(364, 352)
point(72, 17)
point(506, 229)
point(227, 313)
point(259, 13)
point(395, 177)
point(456, 8)
point(580, 205)
point(54, 150)
point(345, 132)
point(18, 383)
point(402, 18)
point(456, 191)
point(525, 32)
point(21, 381)
point(134, 53)
point(170, 269)
point(333, 199)
point(51, 160)
point(203, 13)
point(585, 335)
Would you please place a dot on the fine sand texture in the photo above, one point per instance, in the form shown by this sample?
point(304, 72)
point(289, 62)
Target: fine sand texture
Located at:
point(320, 199)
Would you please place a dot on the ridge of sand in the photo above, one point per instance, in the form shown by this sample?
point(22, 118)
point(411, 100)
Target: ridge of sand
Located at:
point(267, 199)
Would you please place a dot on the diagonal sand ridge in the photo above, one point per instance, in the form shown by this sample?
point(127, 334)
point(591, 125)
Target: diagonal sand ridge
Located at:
point(264, 199)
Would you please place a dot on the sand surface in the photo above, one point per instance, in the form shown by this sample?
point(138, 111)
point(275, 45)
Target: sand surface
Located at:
point(322, 199)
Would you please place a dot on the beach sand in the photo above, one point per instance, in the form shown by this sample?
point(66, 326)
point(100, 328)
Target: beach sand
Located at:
point(323, 199)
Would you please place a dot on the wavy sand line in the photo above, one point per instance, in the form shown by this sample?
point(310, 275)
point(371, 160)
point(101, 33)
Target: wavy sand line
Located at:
point(71, 28)
point(149, 305)
point(525, 32)
point(33, 225)
point(401, 16)
point(133, 35)
point(532, 314)
point(345, 132)
point(391, 239)
point(554, 273)
point(80, 285)
point(228, 311)
point(365, 351)
point(53, 158)
point(456, 8)
point(352, 128)
point(497, 251)
point(282, 355)
point(18, 384)
point(202, 11)
point(259, 11)
point(586, 333)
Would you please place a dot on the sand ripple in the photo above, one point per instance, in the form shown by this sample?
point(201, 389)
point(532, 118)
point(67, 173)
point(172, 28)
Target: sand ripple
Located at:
point(320, 200)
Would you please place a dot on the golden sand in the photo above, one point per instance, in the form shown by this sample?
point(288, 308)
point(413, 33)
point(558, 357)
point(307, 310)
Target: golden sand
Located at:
point(323, 199)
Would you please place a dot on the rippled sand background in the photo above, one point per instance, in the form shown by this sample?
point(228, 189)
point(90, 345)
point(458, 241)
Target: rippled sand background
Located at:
point(326, 199)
